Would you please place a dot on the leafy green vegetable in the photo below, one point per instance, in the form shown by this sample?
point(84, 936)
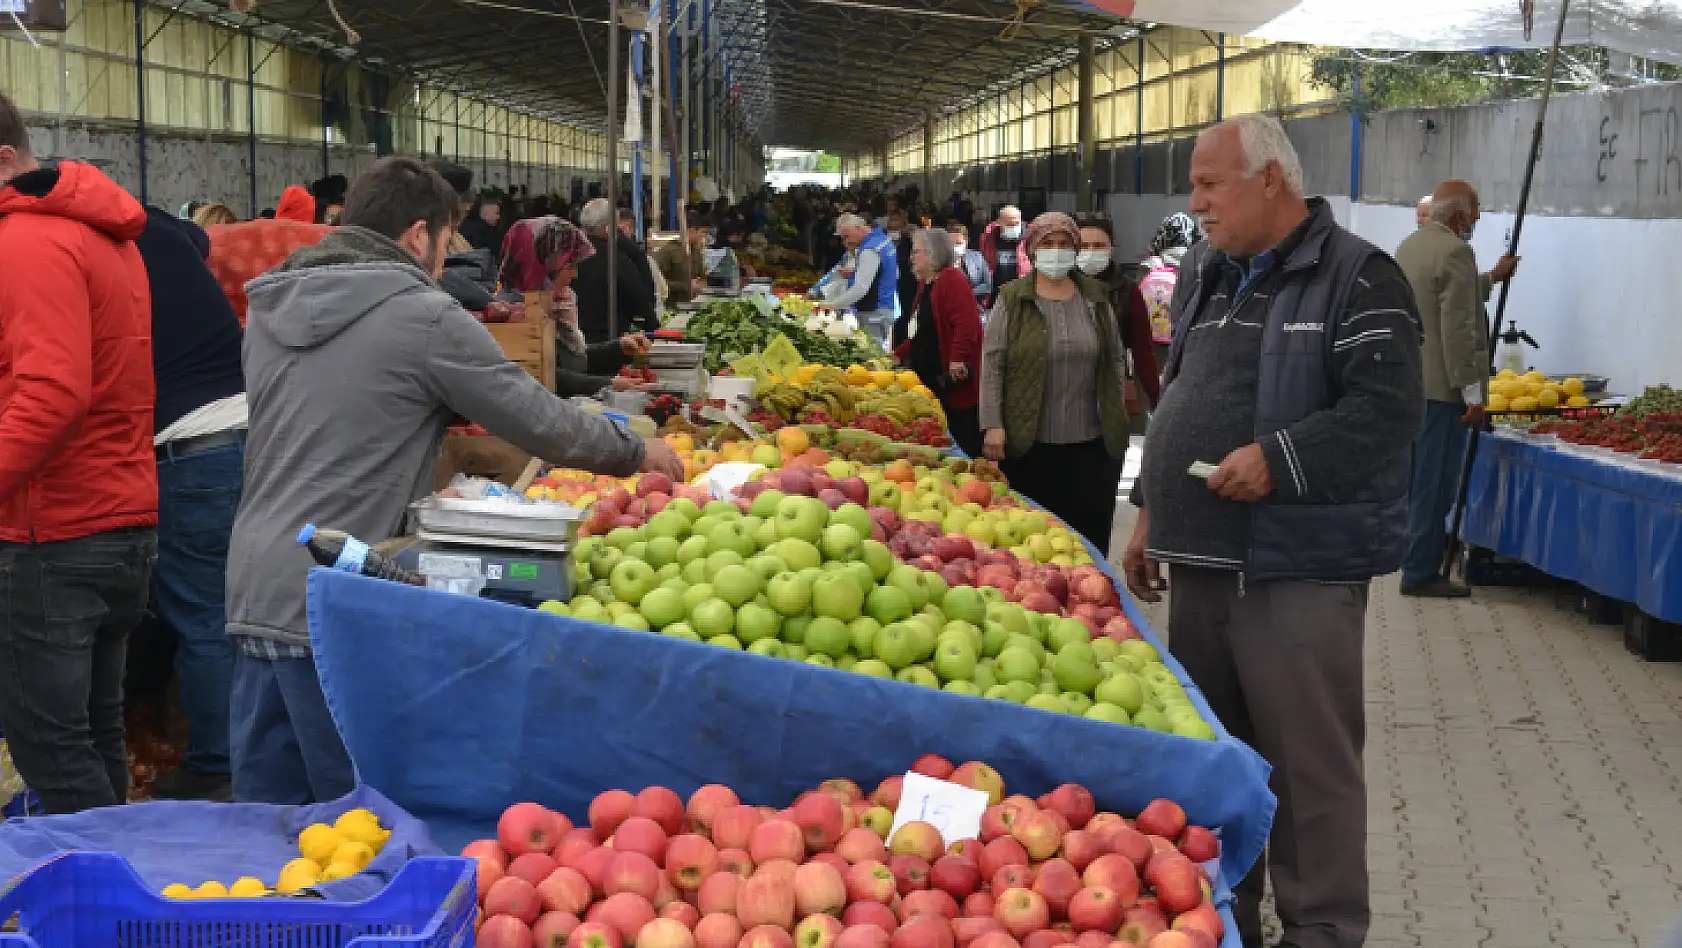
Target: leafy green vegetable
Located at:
point(735, 328)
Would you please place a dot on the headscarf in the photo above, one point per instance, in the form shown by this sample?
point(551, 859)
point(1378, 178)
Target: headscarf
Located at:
point(296, 204)
point(1178, 230)
point(1051, 222)
point(539, 246)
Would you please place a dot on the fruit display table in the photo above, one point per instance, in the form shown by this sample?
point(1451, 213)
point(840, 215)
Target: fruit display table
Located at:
point(456, 707)
point(1611, 522)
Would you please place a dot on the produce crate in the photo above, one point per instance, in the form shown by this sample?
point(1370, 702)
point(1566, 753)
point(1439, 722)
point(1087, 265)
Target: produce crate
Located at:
point(531, 344)
point(88, 898)
point(1653, 639)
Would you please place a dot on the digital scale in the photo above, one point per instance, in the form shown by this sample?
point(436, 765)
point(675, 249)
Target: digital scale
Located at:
point(498, 549)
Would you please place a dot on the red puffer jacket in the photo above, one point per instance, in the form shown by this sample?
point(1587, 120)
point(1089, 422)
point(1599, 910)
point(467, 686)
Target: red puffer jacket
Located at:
point(76, 386)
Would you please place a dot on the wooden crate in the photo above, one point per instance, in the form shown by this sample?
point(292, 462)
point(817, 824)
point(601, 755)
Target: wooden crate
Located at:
point(531, 344)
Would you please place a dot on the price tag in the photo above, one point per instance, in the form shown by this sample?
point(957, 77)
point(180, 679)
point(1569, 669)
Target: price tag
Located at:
point(724, 480)
point(952, 809)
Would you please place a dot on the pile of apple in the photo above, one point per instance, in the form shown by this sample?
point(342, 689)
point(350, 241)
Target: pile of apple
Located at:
point(649, 871)
point(792, 579)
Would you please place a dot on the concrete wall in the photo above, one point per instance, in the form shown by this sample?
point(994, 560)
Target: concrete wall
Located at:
point(184, 167)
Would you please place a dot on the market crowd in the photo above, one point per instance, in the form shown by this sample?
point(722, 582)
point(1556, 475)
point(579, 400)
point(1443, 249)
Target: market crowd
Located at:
point(1303, 398)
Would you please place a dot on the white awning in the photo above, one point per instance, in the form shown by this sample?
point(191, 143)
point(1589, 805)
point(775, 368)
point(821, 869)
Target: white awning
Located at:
point(1650, 28)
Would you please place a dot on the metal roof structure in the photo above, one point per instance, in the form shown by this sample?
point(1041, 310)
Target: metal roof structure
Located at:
point(839, 75)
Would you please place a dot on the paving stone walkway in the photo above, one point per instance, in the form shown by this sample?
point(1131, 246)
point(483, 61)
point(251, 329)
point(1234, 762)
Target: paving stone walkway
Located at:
point(1523, 775)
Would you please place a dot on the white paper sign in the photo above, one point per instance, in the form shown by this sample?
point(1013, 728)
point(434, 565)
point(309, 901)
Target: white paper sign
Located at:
point(954, 810)
point(724, 480)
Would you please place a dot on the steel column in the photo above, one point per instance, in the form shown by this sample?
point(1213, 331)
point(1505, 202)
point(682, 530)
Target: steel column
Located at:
point(251, 113)
point(1220, 77)
point(1139, 122)
point(613, 81)
point(326, 129)
point(140, 88)
point(1084, 119)
point(636, 156)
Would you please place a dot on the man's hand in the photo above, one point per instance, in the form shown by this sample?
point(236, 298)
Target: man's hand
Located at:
point(958, 370)
point(659, 458)
point(1473, 418)
point(1243, 475)
point(1504, 269)
point(994, 444)
point(1143, 574)
point(633, 344)
point(623, 383)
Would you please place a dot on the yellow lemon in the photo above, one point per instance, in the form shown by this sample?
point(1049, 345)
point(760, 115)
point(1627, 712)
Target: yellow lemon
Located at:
point(1497, 402)
point(339, 870)
point(178, 891)
point(882, 377)
point(317, 842)
point(908, 379)
point(212, 890)
point(369, 834)
point(1573, 386)
point(1549, 398)
point(1526, 403)
point(1578, 401)
point(246, 887)
point(1506, 374)
point(356, 854)
point(298, 874)
point(1535, 375)
point(360, 815)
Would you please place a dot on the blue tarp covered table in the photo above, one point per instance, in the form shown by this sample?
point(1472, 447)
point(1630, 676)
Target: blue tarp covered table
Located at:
point(1611, 523)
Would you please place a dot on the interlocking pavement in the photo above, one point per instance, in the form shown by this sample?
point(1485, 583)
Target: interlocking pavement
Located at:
point(1522, 775)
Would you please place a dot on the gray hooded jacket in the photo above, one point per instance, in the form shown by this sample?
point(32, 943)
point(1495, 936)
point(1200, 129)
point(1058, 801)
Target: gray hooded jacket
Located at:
point(355, 362)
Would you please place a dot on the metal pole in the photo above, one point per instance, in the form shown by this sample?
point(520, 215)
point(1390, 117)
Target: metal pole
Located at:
point(1220, 77)
point(140, 88)
point(251, 113)
point(1084, 136)
point(636, 154)
point(1453, 551)
point(1355, 139)
point(656, 68)
point(706, 88)
point(676, 69)
point(612, 169)
point(326, 129)
point(1139, 123)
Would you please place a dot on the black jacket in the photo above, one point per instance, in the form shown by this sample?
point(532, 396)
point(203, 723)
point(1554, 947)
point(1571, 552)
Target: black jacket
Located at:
point(482, 235)
point(195, 335)
point(636, 293)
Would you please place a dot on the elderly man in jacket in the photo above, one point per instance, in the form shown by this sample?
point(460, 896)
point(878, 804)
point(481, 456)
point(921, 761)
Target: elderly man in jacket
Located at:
point(1295, 369)
point(355, 362)
point(1443, 271)
point(865, 279)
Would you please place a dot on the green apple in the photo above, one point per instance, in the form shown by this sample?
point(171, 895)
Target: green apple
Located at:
point(923, 515)
point(668, 525)
point(755, 622)
point(662, 607)
point(1047, 702)
point(838, 469)
point(683, 507)
point(695, 571)
point(726, 641)
point(669, 573)
point(853, 516)
point(602, 591)
point(993, 637)
point(1029, 644)
point(767, 567)
point(897, 644)
point(888, 604)
point(980, 530)
point(918, 675)
point(719, 559)
point(1105, 648)
point(1075, 703)
point(1016, 664)
point(633, 621)
point(621, 537)
point(734, 535)
point(765, 505)
point(1143, 649)
point(962, 687)
point(965, 603)
point(1194, 728)
point(877, 556)
point(722, 509)
point(735, 584)
point(765, 533)
point(797, 553)
point(861, 574)
point(956, 520)
point(694, 548)
point(1121, 690)
point(827, 636)
point(554, 607)
point(770, 648)
point(1066, 632)
point(837, 596)
point(712, 618)
point(1104, 711)
point(590, 610)
point(1006, 534)
point(586, 547)
point(984, 677)
point(823, 660)
point(803, 518)
point(1000, 693)
point(840, 541)
point(885, 493)
point(704, 525)
point(1011, 615)
point(604, 559)
point(1040, 623)
point(967, 632)
point(631, 580)
point(794, 650)
point(875, 668)
point(790, 593)
point(992, 594)
point(863, 631)
point(1153, 719)
point(846, 662)
point(638, 551)
point(681, 630)
point(794, 627)
point(697, 594)
point(925, 635)
point(1129, 663)
point(954, 660)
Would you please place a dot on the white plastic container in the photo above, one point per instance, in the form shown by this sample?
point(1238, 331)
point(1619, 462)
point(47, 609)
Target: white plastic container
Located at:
point(731, 388)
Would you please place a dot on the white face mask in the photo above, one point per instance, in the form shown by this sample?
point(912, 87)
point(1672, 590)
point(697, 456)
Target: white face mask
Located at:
point(959, 248)
point(1011, 231)
point(1092, 262)
point(1054, 263)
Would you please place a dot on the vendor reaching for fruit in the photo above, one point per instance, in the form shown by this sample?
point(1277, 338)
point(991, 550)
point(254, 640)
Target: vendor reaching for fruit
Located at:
point(355, 361)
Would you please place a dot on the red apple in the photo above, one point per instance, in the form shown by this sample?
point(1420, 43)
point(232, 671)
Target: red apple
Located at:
point(1073, 801)
point(780, 869)
point(818, 931)
point(871, 881)
point(955, 876)
point(503, 931)
point(1093, 940)
point(968, 850)
point(689, 860)
point(968, 928)
point(910, 872)
point(1080, 847)
point(821, 819)
point(551, 930)
point(927, 902)
point(979, 904)
point(512, 895)
point(733, 826)
point(1038, 834)
point(855, 490)
point(1199, 844)
point(764, 900)
point(574, 844)
point(858, 845)
point(488, 875)
point(1115, 872)
point(565, 890)
point(999, 820)
point(1162, 818)
point(1134, 845)
point(888, 791)
point(705, 804)
point(526, 828)
point(1047, 938)
point(595, 935)
point(845, 791)
point(593, 866)
point(875, 914)
point(923, 931)
point(819, 890)
point(917, 838)
point(777, 839)
point(954, 546)
point(639, 834)
point(1057, 882)
point(863, 936)
point(1021, 911)
point(717, 894)
point(1095, 908)
point(486, 849)
point(1203, 918)
point(683, 912)
point(665, 933)
point(767, 936)
point(1171, 939)
point(627, 913)
point(633, 872)
point(736, 861)
point(979, 776)
point(1178, 886)
point(718, 931)
point(1001, 852)
point(999, 939)
point(1012, 877)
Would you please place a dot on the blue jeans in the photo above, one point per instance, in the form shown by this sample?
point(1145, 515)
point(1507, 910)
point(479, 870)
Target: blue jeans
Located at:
point(1438, 453)
point(286, 748)
point(66, 610)
point(198, 496)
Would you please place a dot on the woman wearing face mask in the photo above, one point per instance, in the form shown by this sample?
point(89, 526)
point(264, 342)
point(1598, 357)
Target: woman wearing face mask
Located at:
point(1097, 260)
point(971, 262)
point(942, 336)
point(1053, 411)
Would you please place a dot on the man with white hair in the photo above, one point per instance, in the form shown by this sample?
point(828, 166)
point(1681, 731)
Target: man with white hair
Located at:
point(866, 279)
point(1422, 211)
point(1294, 370)
point(1443, 271)
point(1002, 247)
point(636, 294)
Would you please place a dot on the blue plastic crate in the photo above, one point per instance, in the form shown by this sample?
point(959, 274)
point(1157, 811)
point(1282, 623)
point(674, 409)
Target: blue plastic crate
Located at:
point(85, 899)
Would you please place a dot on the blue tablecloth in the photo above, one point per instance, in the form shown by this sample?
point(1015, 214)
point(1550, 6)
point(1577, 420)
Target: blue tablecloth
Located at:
point(1613, 525)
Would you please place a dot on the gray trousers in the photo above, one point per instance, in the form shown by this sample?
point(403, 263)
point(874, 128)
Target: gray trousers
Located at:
point(1280, 663)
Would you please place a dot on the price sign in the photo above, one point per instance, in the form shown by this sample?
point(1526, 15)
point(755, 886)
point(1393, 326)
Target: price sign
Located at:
point(952, 809)
point(724, 480)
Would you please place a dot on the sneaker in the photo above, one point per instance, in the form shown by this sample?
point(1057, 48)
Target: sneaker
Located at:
point(1438, 588)
point(184, 783)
